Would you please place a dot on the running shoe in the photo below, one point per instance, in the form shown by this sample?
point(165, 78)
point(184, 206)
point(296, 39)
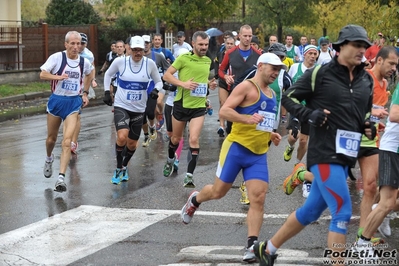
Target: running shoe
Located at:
point(265, 259)
point(169, 167)
point(74, 147)
point(292, 181)
point(244, 194)
point(306, 188)
point(188, 209)
point(249, 255)
point(125, 175)
point(288, 153)
point(48, 167)
point(374, 240)
point(366, 252)
point(116, 178)
point(176, 165)
point(147, 141)
point(60, 185)
point(189, 181)
point(160, 124)
point(221, 132)
point(153, 133)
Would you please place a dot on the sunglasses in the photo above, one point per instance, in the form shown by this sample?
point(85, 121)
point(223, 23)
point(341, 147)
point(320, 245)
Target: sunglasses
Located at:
point(137, 50)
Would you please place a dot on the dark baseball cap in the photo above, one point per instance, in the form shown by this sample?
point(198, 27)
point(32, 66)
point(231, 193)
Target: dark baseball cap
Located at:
point(84, 37)
point(180, 34)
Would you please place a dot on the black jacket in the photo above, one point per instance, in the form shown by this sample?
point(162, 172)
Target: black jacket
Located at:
point(349, 104)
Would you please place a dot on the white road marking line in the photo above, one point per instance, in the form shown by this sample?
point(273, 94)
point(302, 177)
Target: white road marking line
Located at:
point(72, 235)
point(229, 253)
point(231, 214)
point(75, 234)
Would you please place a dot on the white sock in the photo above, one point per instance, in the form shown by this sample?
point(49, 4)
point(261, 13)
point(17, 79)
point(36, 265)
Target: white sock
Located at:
point(272, 249)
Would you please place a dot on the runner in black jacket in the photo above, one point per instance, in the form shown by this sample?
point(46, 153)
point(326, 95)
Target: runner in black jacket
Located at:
point(337, 107)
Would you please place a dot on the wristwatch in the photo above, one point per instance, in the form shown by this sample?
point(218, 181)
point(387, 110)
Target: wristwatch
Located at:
point(86, 92)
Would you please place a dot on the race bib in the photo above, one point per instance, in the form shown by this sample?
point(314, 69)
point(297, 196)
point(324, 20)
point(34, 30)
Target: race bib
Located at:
point(267, 124)
point(69, 86)
point(347, 142)
point(134, 96)
point(200, 91)
point(373, 118)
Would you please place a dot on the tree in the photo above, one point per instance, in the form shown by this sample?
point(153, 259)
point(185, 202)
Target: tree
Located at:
point(176, 14)
point(33, 10)
point(71, 12)
point(282, 13)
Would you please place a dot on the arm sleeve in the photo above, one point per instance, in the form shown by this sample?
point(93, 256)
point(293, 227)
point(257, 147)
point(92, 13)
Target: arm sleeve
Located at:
point(287, 81)
point(113, 68)
point(154, 74)
point(224, 65)
point(299, 91)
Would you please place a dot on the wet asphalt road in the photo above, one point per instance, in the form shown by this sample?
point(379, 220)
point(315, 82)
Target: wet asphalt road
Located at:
point(27, 197)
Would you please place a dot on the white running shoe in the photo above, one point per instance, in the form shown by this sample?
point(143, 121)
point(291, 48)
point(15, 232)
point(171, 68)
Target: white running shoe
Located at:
point(306, 189)
point(48, 167)
point(249, 255)
point(188, 209)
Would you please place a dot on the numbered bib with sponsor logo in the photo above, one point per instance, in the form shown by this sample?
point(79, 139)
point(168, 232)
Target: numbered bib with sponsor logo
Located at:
point(347, 142)
point(69, 85)
point(267, 124)
point(200, 91)
point(134, 96)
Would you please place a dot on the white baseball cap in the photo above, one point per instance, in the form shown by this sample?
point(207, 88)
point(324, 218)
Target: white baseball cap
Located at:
point(234, 33)
point(147, 38)
point(137, 42)
point(272, 59)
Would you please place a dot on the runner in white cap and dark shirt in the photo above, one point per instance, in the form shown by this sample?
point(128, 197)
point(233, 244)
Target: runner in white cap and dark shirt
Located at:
point(135, 72)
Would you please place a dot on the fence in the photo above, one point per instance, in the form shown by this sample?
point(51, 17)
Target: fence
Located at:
point(28, 47)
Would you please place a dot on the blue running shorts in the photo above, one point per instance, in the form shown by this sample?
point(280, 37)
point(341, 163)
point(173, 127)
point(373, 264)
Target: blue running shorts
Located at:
point(63, 106)
point(234, 157)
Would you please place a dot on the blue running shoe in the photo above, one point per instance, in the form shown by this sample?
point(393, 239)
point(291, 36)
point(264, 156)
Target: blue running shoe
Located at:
point(125, 175)
point(116, 178)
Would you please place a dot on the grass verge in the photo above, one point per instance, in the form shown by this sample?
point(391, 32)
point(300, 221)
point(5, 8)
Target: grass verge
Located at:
point(22, 88)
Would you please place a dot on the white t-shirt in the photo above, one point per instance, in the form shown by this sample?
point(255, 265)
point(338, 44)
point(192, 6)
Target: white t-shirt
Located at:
point(390, 139)
point(86, 53)
point(176, 48)
point(73, 85)
point(324, 58)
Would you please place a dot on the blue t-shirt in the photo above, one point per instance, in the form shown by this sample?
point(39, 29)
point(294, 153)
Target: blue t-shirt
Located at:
point(165, 52)
point(245, 54)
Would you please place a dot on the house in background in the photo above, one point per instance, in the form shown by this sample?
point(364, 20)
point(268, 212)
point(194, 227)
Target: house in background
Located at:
point(10, 35)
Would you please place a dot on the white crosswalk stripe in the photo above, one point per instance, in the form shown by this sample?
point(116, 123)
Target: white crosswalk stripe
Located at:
point(77, 233)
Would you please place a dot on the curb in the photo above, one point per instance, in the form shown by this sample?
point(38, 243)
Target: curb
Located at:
point(35, 103)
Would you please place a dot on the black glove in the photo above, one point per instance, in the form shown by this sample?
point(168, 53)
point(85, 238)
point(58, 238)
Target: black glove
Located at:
point(99, 72)
point(107, 98)
point(294, 127)
point(154, 94)
point(317, 118)
point(371, 125)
